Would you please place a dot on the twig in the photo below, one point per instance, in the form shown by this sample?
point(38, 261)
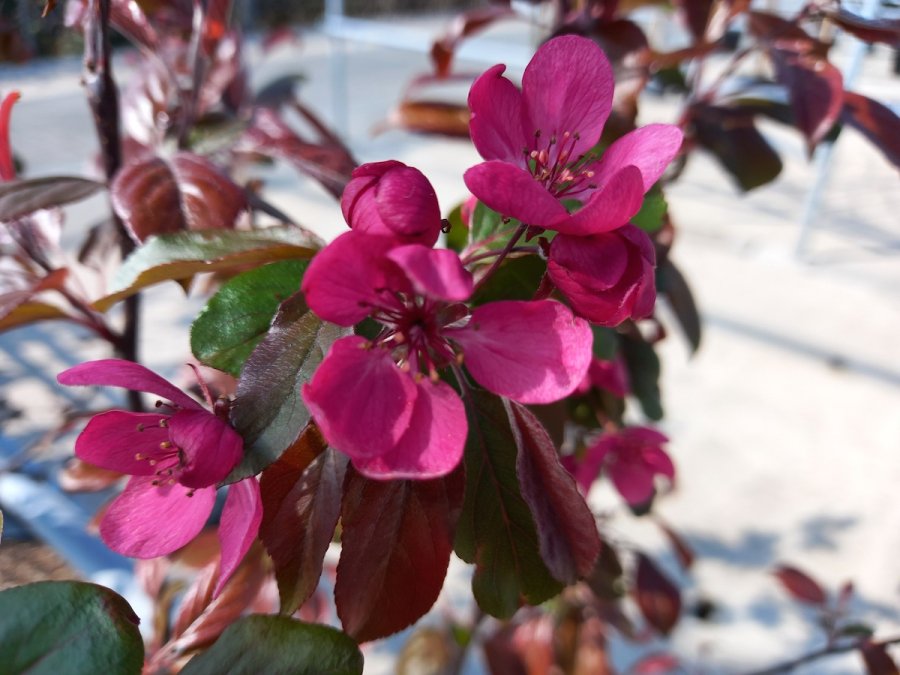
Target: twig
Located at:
point(827, 650)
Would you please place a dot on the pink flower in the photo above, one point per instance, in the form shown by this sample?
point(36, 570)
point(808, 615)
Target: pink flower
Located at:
point(609, 375)
point(390, 198)
point(631, 457)
point(382, 401)
point(607, 277)
point(536, 142)
point(175, 457)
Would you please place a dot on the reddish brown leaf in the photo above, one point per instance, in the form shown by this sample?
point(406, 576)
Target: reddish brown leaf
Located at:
point(800, 585)
point(657, 597)
point(731, 135)
point(869, 30)
point(396, 542)
point(683, 551)
point(877, 659)
point(878, 123)
point(783, 34)
point(523, 648)
point(269, 135)
point(21, 197)
point(696, 15)
point(463, 26)
point(200, 619)
point(815, 89)
point(567, 532)
point(429, 117)
point(606, 578)
point(154, 195)
point(301, 495)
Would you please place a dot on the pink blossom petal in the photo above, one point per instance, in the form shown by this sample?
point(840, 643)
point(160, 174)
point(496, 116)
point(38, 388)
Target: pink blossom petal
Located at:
point(496, 123)
point(342, 281)
point(432, 445)
point(583, 267)
point(532, 352)
point(211, 447)
point(238, 527)
point(644, 436)
point(360, 399)
point(361, 180)
point(434, 273)
point(611, 376)
point(126, 374)
point(650, 149)
point(512, 192)
point(112, 440)
point(659, 462)
point(390, 198)
point(568, 87)
point(633, 481)
point(595, 262)
point(147, 521)
point(608, 208)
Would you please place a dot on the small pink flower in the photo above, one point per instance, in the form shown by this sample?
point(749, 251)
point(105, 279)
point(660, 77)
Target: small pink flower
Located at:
point(631, 457)
point(175, 457)
point(607, 277)
point(610, 375)
point(382, 401)
point(392, 199)
point(536, 142)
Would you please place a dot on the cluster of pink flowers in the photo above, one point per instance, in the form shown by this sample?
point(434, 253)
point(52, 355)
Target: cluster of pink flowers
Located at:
point(385, 399)
point(538, 144)
point(382, 401)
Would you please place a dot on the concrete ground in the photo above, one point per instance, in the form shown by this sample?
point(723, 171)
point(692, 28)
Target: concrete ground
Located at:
point(785, 426)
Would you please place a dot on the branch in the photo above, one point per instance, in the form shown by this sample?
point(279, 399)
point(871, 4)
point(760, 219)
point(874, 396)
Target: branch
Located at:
point(827, 650)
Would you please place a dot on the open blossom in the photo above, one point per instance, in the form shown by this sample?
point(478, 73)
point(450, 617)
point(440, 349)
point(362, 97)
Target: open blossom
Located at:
point(631, 457)
point(175, 457)
point(392, 199)
point(382, 401)
point(537, 144)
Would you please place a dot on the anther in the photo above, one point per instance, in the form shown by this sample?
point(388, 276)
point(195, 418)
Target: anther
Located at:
point(140, 427)
point(165, 445)
point(460, 357)
point(445, 225)
point(154, 482)
point(138, 456)
point(153, 462)
point(163, 424)
point(158, 404)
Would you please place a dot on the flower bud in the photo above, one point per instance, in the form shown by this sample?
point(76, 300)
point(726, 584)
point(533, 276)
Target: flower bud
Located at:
point(390, 198)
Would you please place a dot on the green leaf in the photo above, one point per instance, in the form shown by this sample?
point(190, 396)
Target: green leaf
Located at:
point(277, 644)
point(237, 317)
point(643, 369)
point(490, 229)
point(652, 214)
point(181, 255)
point(496, 530)
point(458, 236)
point(516, 279)
point(269, 412)
point(606, 344)
point(71, 627)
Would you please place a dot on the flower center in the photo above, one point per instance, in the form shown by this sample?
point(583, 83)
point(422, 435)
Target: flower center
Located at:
point(413, 327)
point(554, 163)
point(168, 460)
